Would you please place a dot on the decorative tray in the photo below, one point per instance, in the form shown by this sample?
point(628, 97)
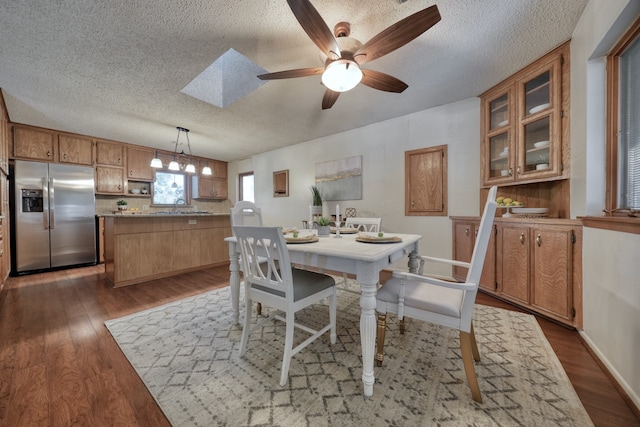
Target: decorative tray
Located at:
point(345, 230)
point(369, 238)
point(303, 239)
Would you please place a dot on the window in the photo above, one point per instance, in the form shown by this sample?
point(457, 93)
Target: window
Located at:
point(246, 187)
point(169, 188)
point(623, 139)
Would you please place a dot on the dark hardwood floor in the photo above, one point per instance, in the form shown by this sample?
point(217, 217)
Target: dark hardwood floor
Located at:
point(59, 365)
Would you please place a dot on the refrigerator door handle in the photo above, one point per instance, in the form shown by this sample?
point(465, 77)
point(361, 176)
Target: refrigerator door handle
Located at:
point(52, 211)
point(45, 211)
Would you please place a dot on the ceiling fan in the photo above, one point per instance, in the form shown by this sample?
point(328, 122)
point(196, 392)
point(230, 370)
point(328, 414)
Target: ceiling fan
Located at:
point(346, 55)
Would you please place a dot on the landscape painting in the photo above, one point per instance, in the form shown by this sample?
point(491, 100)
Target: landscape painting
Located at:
point(340, 179)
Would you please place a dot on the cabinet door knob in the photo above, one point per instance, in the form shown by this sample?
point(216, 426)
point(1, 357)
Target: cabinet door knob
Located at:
point(510, 172)
point(64, 156)
point(466, 231)
point(539, 240)
point(48, 153)
point(522, 238)
point(518, 170)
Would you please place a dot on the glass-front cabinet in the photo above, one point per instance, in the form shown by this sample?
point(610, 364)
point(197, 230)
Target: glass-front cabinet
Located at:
point(522, 124)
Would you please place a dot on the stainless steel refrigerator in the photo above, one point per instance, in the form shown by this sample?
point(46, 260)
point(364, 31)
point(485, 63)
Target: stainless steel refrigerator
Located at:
point(53, 216)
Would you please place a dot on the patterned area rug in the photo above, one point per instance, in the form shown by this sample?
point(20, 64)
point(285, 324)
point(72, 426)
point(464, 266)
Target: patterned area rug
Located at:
point(186, 353)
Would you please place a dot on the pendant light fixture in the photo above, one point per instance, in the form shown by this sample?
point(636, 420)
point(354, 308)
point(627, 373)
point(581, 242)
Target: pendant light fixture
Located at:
point(175, 165)
point(156, 162)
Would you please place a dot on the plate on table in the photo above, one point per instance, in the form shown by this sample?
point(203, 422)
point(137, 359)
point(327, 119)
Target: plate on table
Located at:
point(289, 230)
point(345, 230)
point(303, 239)
point(373, 238)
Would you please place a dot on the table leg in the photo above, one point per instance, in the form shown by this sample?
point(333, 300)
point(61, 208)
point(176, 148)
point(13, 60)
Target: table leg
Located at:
point(234, 281)
point(367, 277)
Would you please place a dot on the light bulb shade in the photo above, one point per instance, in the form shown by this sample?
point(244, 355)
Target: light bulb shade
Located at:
point(156, 163)
point(190, 168)
point(206, 170)
point(341, 75)
point(174, 166)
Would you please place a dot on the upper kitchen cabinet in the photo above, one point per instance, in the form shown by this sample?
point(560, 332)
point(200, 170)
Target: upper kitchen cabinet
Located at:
point(110, 172)
point(110, 153)
point(33, 143)
point(525, 124)
point(139, 164)
point(75, 150)
point(214, 186)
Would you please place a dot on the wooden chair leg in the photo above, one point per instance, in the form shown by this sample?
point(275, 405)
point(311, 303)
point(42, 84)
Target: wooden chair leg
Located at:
point(382, 327)
point(474, 345)
point(467, 360)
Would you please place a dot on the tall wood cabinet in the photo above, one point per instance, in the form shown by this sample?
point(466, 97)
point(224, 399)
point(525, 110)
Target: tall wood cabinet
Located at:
point(525, 124)
point(110, 172)
point(534, 264)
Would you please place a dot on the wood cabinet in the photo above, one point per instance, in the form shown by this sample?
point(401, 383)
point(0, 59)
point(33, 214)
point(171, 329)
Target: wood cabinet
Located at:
point(110, 172)
point(465, 231)
point(110, 180)
point(426, 181)
point(214, 186)
point(525, 124)
point(33, 144)
point(535, 264)
point(110, 153)
point(142, 248)
point(139, 164)
point(75, 150)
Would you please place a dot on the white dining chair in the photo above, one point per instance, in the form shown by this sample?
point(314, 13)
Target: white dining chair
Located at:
point(274, 283)
point(441, 302)
point(246, 213)
point(372, 225)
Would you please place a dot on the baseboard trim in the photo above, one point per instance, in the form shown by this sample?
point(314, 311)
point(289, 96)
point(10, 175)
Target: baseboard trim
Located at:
point(631, 399)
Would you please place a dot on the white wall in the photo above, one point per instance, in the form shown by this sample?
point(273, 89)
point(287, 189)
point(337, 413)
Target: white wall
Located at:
point(382, 147)
point(611, 271)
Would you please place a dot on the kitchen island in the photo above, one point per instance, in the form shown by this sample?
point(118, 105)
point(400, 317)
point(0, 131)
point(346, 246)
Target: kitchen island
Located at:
point(143, 247)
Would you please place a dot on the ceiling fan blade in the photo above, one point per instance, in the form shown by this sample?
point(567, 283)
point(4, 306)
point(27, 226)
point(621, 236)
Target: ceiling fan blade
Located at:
point(290, 74)
point(397, 35)
point(315, 27)
point(330, 97)
point(382, 81)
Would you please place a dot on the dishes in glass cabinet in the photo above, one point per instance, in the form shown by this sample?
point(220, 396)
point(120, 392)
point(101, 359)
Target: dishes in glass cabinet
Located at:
point(539, 108)
point(541, 144)
point(503, 123)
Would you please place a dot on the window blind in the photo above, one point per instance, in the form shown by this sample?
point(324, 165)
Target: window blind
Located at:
point(629, 136)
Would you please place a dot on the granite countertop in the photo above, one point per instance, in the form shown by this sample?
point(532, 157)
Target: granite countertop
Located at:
point(144, 214)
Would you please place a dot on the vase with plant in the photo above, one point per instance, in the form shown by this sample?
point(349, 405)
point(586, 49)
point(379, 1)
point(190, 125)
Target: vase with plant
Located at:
point(122, 205)
point(323, 226)
point(316, 201)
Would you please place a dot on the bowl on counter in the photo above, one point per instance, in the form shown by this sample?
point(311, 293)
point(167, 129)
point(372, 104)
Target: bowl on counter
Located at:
point(134, 191)
point(504, 172)
point(542, 166)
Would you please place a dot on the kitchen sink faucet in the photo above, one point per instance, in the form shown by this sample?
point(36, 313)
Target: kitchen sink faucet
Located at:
point(175, 205)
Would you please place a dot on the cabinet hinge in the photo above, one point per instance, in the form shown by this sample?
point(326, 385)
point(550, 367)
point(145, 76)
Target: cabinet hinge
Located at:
point(561, 59)
point(573, 238)
point(562, 113)
point(495, 286)
point(573, 312)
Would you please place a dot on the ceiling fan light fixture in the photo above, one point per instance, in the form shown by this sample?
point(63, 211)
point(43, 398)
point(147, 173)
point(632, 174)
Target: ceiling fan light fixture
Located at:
point(341, 75)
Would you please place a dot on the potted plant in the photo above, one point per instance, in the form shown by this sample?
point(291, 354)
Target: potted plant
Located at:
point(122, 205)
point(316, 201)
point(323, 226)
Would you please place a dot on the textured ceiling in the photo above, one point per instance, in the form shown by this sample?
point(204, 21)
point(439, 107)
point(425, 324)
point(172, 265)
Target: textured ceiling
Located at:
point(115, 69)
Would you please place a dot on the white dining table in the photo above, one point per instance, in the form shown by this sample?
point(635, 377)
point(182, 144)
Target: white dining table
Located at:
point(345, 255)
